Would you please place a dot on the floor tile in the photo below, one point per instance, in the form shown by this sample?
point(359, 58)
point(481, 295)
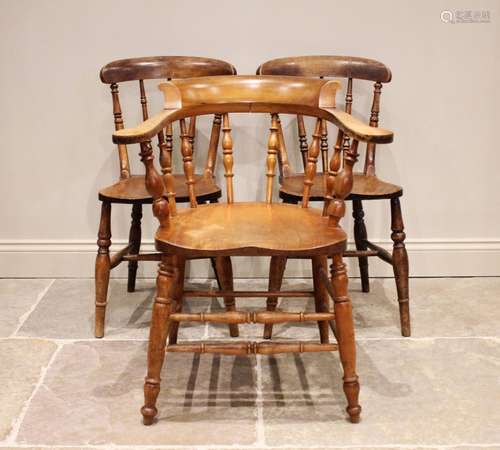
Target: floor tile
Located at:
point(17, 296)
point(438, 307)
point(97, 388)
point(67, 312)
point(22, 361)
point(427, 392)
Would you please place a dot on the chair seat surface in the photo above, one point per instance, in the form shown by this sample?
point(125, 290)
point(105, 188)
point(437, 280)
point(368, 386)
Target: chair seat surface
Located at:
point(249, 229)
point(134, 189)
point(365, 186)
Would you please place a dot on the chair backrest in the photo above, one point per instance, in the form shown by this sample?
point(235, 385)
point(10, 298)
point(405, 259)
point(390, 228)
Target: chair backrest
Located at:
point(274, 95)
point(162, 67)
point(350, 67)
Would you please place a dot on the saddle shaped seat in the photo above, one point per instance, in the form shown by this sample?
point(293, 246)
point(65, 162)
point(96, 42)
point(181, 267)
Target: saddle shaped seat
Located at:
point(364, 187)
point(133, 190)
point(250, 229)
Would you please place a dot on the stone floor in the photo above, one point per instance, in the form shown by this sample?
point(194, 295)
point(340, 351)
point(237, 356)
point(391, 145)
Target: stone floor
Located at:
point(61, 388)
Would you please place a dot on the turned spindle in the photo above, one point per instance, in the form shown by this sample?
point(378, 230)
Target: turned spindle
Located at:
point(187, 156)
point(154, 184)
point(324, 146)
point(312, 158)
point(283, 161)
point(272, 151)
point(343, 185)
point(227, 151)
point(212, 147)
point(118, 119)
point(348, 109)
point(370, 147)
point(302, 139)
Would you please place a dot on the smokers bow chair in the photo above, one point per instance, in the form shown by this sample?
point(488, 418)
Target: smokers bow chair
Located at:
point(254, 228)
point(367, 186)
point(131, 189)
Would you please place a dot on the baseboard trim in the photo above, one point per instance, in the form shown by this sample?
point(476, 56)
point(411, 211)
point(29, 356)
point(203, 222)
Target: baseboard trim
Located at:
point(75, 258)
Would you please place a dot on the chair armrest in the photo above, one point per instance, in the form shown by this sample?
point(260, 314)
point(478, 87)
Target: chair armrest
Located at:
point(144, 131)
point(356, 129)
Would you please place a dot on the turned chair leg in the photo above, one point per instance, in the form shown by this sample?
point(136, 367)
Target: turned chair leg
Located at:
point(165, 286)
point(102, 268)
point(345, 336)
point(400, 265)
point(321, 298)
point(224, 269)
point(134, 241)
point(360, 238)
point(178, 299)
point(276, 271)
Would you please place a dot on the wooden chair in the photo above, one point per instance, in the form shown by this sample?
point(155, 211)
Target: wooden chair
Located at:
point(131, 189)
point(254, 228)
point(367, 186)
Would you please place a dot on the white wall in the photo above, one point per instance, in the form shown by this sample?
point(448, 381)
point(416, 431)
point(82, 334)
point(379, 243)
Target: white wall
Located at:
point(56, 122)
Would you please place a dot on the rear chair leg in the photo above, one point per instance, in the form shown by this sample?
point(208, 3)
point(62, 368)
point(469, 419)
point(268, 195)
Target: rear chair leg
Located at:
point(224, 271)
point(321, 298)
point(400, 265)
point(134, 241)
point(345, 336)
point(102, 269)
point(276, 271)
point(360, 237)
point(165, 285)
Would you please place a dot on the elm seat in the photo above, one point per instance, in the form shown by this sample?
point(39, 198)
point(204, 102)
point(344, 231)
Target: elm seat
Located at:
point(250, 228)
point(133, 189)
point(364, 187)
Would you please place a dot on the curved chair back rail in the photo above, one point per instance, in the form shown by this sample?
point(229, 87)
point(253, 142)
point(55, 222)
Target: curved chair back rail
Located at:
point(185, 98)
point(327, 66)
point(161, 67)
point(158, 67)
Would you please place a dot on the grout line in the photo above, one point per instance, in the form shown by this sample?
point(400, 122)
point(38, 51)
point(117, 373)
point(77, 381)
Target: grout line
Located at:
point(16, 425)
point(261, 439)
point(249, 447)
point(25, 316)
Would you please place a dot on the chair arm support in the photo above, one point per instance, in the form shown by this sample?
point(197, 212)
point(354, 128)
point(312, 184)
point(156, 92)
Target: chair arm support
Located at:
point(144, 131)
point(356, 129)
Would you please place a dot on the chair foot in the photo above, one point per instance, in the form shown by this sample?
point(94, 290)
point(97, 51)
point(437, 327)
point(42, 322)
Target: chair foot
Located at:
point(102, 269)
point(148, 415)
point(351, 390)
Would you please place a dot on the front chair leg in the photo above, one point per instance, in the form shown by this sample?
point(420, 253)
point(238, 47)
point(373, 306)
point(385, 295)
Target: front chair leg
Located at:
point(400, 265)
point(134, 242)
point(345, 336)
point(224, 270)
point(276, 271)
point(360, 237)
point(158, 333)
point(178, 298)
point(102, 269)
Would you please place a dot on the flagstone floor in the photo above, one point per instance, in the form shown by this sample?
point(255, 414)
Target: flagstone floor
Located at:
point(61, 388)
